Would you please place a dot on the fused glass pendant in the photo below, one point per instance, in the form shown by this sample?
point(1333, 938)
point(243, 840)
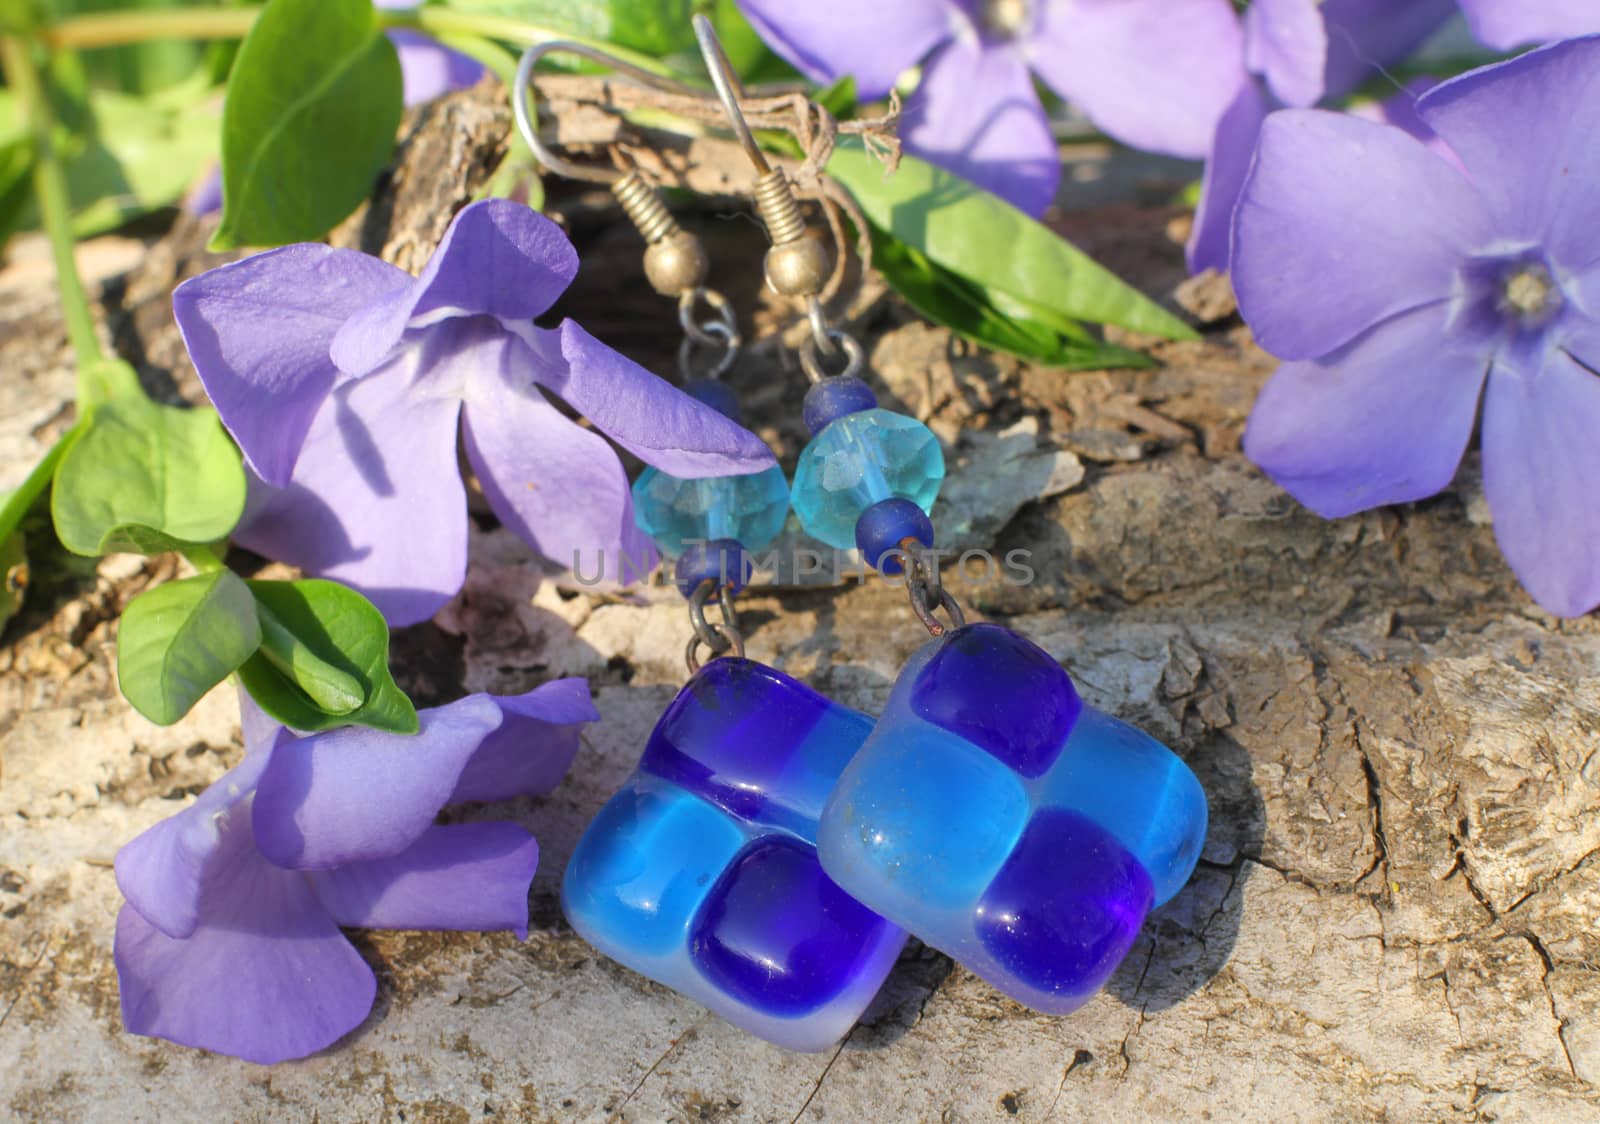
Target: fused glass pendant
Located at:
point(673, 511)
point(702, 872)
point(856, 461)
point(1002, 821)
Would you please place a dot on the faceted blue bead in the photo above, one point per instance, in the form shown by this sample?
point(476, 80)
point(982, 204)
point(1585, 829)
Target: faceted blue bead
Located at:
point(747, 509)
point(884, 526)
point(858, 460)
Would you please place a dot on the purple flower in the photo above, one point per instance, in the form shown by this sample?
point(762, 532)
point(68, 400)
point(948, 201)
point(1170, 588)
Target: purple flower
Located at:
point(1405, 289)
point(1297, 52)
point(346, 381)
point(230, 938)
point(1155, 74)
point(1504, 24)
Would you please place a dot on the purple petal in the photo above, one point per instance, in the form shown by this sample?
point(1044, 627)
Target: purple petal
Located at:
point(258, 332)
point(430, 70)
point(976, 113)
point(1540, 463)
point(1225, 175)
point(355, 794)
point(1155, 74)
point(559, 487)
point(1504, 24)
point(1384, 420)
point(259, 729)
point(1341, 224)
point(205, 198)
point(874, 42)
point(648, 416)
point(163, 870)
point(265, 975)
point(1365, 36)
point(534, 746)
point(1525, 131)
point(497, 259)
point(1286, 42)
point(376, 499)
point(467, 876)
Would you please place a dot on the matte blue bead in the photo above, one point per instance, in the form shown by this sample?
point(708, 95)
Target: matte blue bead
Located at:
point(1004, 822)
point(1000, 691)
point(884, 526)
point(858, 460)
point(702, 872)
point(1065, 908)
point(776, 932)
point(833, 398)
point(722, 561)
point(675, 512)
point(716, 394)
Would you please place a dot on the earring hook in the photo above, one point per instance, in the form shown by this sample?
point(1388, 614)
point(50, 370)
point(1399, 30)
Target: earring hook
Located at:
point(729, 90)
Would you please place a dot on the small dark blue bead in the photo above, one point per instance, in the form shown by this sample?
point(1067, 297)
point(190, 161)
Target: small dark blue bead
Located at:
point(884, 526)
point(718, 395)
point(833, 398)
point(721, 560)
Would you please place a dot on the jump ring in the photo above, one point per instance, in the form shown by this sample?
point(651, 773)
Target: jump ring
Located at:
point(811, 362)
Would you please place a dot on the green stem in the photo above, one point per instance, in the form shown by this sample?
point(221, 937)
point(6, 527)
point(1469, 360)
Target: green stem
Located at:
point(19, 502)
point(116, 29)
point(55, 208)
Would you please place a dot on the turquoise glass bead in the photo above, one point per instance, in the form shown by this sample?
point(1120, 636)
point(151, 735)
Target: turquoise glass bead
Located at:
point(858, 460)
point(747, 509)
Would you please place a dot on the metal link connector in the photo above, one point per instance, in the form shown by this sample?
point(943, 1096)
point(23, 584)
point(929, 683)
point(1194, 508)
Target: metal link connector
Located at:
point(723, 639)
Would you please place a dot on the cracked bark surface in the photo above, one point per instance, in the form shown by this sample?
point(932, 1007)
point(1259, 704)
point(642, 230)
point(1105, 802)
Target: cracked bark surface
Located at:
point(1395, 916)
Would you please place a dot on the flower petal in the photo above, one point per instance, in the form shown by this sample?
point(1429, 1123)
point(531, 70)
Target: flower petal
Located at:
point(1540, 463)
point(1286, 42)
point(557, 486)
point(1525, 131)
point(355, 794)
point(466, 876)
point(645, 414)
point(1377, 223)
point(163, 870)
point(497, 259)
point(976, 113)
point(376, 499)
point(1364, 36)
point(265, 975)
point(534, 745)
point(1385, 420)
point(258, 331)
point(430, 70)
point(875, 42)
point(1504, 24)
point(1237, 132)
point(1155, 74)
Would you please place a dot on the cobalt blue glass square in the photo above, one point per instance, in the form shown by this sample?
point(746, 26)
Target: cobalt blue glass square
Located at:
point(1001, 820)
point(702, 871)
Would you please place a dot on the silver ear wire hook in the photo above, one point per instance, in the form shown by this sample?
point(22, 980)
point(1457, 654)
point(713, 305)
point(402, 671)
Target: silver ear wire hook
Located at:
point(729, 91)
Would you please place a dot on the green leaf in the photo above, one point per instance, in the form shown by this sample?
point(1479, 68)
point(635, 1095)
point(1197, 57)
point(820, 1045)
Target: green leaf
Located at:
point(324, 660)
point(147, 478)
point(179, 640)
point(309, 121)
point(989, 243)
point(13, 575)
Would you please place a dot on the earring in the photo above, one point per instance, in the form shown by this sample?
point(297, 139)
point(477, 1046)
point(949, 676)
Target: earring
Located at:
point(701, 872)
point(991, 813)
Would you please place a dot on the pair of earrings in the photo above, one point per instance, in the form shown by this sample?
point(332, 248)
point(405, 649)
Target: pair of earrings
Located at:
point(773, 849)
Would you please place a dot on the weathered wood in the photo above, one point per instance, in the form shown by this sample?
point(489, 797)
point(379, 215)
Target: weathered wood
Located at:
point(1395, 916)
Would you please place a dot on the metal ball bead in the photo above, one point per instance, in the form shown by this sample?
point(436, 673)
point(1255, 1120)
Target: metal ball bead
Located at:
point(798, 269)
point(676, 265)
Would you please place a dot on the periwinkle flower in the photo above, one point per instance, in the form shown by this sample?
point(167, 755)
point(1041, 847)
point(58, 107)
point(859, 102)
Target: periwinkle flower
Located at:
point(1297, 52)
point(229, 939)
point(1406, 289)
point(1155, 74)
point(346, 381)
point(1504, 24)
